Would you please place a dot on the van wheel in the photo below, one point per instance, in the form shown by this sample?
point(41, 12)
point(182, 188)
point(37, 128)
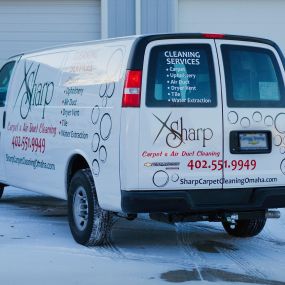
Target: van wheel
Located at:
point(1, 191)
point(89, 224)
point(245, 228)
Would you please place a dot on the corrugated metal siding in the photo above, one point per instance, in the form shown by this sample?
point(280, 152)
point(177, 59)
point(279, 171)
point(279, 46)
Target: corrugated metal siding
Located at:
point(31, 24)
point(157, 16)
point(121, 18)
point(255, 18)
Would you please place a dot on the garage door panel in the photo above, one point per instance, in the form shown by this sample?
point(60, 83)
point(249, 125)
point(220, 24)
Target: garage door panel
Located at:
point(52, 27)
point(49, 19)
point(51, 9)
point(29, 25)
point(45, 37)
point(28, 46)
point(254, 18)
point(52, 6)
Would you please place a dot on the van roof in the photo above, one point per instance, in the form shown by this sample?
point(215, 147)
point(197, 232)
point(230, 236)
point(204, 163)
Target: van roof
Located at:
point(70, 45)
point(141, 41)
point(137, 54)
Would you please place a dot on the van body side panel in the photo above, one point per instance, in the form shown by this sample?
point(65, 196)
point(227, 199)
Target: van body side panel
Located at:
point(102, 69)
point(129, 148)
point(62, 104)
point(254, 119)
point(33, 122)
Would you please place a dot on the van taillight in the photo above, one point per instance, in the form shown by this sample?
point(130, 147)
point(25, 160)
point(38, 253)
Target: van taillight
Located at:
point(132, 89)
point(213, 36)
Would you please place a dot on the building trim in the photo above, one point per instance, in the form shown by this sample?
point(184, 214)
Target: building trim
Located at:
point(104, 19)
point(138, 17)
point(175, 17)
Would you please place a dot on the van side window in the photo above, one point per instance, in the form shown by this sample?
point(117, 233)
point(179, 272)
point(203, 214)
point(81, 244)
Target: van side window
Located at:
point(253, 77)
point(5, 75)
point(181, 75)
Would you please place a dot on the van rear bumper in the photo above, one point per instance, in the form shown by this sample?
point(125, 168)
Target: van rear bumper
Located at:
point(191, 201)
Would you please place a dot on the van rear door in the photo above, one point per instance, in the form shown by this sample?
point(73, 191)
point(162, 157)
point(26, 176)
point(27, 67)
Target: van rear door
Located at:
point(181, 140)
point(254, 119)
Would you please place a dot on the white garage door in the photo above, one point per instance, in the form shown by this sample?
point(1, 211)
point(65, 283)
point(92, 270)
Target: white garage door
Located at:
point(30, 24)
point(261, 18)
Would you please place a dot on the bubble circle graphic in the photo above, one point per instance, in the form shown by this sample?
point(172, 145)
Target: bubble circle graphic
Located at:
point(257, 117)
point(95, 167)
point(232, 117)
point(105, 126)
point(104, 101)
point(268, 121)
point(280, 123)
point(95, 142)
point(103, 154)
point(282, 149)
point(282, 166)
point(95, 114)
point(102, 90)
point(277, 140)
point(160, 178)
point(110, 90)
point(114, 65)
point(174, 177)
point(245, 122)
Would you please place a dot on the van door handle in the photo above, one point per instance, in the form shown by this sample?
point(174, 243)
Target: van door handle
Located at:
point(4, 119)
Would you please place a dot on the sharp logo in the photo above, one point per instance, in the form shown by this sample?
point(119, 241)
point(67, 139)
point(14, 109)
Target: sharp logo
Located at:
point(175, 133)
point(34, 93)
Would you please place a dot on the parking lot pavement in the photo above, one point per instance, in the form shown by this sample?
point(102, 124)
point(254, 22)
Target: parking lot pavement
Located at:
point(36, 247)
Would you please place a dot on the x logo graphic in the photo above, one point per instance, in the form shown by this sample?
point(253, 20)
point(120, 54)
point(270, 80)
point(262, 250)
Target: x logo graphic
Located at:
point(164, 125)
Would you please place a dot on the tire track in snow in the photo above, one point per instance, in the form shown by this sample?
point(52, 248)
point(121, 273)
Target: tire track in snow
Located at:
point(109, 248)
point(235, 255)
point(130, 248)
point(185, 242)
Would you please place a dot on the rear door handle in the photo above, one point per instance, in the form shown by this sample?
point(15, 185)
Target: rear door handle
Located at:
point(4, 119)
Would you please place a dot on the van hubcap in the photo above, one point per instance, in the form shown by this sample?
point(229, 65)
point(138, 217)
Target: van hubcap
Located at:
point(80, 208)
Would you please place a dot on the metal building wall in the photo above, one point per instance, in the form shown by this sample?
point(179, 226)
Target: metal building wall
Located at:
point(121, 18)
point(157, 16)
point(128, 17)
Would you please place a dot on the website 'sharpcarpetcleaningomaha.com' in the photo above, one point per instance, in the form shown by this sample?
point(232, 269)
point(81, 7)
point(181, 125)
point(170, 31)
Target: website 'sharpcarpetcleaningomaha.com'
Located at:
point(228, 181)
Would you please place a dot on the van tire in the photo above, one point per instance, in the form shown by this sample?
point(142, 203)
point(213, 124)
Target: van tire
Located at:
point(92, 229)
point(245, 228)
point(1, 191)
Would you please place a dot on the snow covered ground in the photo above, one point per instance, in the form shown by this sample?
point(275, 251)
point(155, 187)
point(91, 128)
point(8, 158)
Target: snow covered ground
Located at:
point(36, 247)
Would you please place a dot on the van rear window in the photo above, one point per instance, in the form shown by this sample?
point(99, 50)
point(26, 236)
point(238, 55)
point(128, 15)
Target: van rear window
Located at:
point(181, 75)
point(253, 77)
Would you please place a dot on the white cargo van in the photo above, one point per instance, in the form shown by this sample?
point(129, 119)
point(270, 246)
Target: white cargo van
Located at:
point(185, 127)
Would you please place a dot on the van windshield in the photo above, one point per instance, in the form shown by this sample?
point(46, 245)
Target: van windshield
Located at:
point(181, 75)
point(253, 77)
